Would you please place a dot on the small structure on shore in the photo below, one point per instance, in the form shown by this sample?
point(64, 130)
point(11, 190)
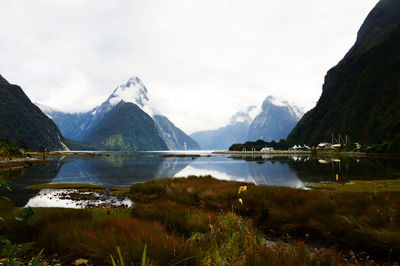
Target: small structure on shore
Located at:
point(324, 145)
point(267, 149)
point(299, 148)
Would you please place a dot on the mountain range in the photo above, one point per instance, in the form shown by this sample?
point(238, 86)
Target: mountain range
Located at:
point(361, 94)
point(125, 121)
point(360, 99)
point(274, 120)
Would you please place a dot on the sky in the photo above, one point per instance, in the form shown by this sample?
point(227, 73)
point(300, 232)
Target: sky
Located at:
point(201, 61)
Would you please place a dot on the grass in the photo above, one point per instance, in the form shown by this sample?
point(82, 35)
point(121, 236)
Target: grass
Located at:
point(361, 186)
point(367, 221)
point(200, 221)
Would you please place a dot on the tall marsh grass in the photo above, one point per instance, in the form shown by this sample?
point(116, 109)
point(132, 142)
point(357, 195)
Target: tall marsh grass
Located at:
point(199, 221)
point(366, 221)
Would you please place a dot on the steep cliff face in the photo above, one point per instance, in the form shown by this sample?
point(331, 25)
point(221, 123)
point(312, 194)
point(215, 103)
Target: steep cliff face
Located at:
point(21, 120)
point(361, 95)
point(175, 138)
point(275, 121)
point(380, 22)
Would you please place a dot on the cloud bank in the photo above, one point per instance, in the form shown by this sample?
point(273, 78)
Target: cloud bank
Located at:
point(201, 61)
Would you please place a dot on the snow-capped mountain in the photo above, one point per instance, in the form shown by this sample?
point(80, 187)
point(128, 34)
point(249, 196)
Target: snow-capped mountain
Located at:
point(293, 108)
point(133, 91)
point(276, 120)
point(80, 126)
point(273, 120)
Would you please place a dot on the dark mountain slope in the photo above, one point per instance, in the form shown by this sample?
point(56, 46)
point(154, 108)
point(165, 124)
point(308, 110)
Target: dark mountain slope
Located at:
point(361, 95)
point(380, 22)
point(20, 119)
point(126, 127)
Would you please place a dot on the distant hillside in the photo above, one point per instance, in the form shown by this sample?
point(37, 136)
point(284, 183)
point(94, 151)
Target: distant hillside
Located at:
point(71, 125)
point(175, 138)
point(21, 120)
point(222, 138)
point(361, 95)
point(126, 127)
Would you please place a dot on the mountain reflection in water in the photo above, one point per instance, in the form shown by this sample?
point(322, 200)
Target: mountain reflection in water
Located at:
point(122, 171)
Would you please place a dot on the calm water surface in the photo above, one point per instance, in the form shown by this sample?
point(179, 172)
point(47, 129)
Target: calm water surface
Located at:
point(122, 170)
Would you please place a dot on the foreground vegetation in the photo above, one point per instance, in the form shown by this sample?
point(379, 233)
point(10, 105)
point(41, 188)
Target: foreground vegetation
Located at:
point(204, 221)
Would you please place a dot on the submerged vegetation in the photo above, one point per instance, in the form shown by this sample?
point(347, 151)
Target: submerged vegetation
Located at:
point(204, 221)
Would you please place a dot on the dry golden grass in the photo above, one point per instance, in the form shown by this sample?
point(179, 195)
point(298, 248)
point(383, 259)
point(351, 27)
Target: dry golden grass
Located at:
point(200, 221)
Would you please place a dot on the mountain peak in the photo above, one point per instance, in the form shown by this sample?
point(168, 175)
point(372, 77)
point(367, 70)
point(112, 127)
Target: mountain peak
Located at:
point(281, 102)
point(132, 91)
point(382, 19)
point(277, 100)
point(3, 81)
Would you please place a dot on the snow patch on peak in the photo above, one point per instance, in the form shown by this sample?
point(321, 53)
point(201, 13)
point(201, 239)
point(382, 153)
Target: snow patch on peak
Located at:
point(277, 100)
point(297, 111)
point(132, 91)
point(281, 102)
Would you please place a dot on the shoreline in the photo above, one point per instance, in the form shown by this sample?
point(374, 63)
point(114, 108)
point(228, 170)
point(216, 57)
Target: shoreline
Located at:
point(263, 152)
point(20, 162)
point(301, 153)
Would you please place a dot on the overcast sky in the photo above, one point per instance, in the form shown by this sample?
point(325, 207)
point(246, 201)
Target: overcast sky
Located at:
point(201, 61)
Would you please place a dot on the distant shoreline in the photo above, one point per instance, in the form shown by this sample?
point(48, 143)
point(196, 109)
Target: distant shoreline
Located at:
point(264, 152)
point(281, 152)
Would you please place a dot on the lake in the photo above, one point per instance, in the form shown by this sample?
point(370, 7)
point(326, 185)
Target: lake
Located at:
point(124, 169)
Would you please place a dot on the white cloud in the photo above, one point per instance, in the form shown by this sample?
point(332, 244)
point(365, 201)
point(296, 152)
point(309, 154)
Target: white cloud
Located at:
point(200, 60)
